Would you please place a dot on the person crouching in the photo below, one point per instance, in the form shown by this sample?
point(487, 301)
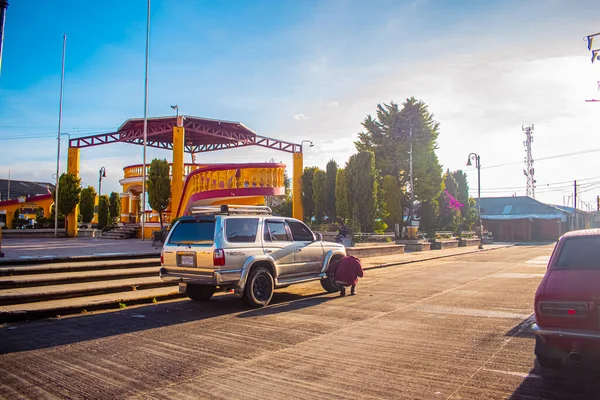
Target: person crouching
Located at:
point(347, 271)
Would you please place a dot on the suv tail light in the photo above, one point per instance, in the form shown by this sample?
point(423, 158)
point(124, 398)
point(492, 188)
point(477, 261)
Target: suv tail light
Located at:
point(218, 258)
point(563, 309)
point(162, 258)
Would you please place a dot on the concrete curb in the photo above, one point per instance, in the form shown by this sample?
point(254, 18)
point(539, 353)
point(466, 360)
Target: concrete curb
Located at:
point(394, 264)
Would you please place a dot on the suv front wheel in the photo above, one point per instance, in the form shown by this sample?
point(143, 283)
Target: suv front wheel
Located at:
point(259, 287)
point(200, 292)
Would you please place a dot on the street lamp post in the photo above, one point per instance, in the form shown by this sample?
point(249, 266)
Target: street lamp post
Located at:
point(102, 174)
point(302, 145)
point(145, 123)
point(60, 109)
point(475, 157)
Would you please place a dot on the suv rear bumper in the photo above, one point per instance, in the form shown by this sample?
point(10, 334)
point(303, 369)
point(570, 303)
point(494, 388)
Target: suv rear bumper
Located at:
point(203, 276)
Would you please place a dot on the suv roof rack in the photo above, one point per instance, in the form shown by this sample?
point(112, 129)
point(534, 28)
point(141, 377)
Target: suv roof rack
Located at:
point(231, 210)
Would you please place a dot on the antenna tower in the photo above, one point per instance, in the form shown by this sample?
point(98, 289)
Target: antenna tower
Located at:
point(529, 170)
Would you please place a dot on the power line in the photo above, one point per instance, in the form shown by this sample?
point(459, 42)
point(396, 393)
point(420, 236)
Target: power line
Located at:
point(544, 158)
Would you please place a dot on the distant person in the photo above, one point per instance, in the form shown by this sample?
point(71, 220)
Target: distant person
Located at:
point(346, 273)
point(343, 232)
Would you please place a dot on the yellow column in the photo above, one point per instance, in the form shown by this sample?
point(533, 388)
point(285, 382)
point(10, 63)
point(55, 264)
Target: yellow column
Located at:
point(297, 210)
point(95, 219)
point(124, 207)
point(177, 169)
point(73, 168)
point(134, 200)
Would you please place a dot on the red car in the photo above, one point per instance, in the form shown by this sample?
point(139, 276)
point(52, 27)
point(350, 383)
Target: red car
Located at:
point(567, 302)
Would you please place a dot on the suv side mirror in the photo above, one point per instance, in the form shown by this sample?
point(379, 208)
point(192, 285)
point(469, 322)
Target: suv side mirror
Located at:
point(319, 237)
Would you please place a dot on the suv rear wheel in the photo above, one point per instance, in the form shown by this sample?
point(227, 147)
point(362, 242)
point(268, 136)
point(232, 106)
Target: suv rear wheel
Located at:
point(259, 288)
point(200, 292)
point(328, 283)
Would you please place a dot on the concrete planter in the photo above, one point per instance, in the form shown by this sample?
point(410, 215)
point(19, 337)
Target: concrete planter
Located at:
point(31, 233)
point(469, 242)
point(88, 233)
point(415, 245)
point(444, 244)
point(375, 251)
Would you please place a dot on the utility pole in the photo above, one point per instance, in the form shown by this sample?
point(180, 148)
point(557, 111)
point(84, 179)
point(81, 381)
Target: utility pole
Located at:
point(597, 203)
point(60, 112)
point(412, 184)
point(529, 170)
point(3, 7)
point(575, 225)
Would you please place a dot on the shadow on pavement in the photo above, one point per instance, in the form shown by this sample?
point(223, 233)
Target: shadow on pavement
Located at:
point(569, 383)
point(49, 333)
point(523, 329)
point(307, 301)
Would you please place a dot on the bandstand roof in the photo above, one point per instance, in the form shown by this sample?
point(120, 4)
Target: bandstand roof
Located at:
point(201, 135)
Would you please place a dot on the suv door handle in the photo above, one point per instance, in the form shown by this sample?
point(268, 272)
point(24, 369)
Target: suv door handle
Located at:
point(298, 250)
point(268, 251)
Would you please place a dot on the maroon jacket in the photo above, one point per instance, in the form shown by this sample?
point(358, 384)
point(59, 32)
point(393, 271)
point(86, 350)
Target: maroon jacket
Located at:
point(348, 270)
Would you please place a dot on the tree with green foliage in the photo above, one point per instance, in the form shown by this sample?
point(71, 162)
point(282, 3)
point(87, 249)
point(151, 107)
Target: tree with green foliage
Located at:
point(281, 205)
point(463, 197)
point(114, 208)
point(69, 188)
point(330, 209)
point(389, 135)
point(103, 205)
point(320, 195)
point(361, 176)
point(307, 193)
point(391, 200)
point(428, 216)
point(341, 195)
point(159, 187)
point(88, 202)
point(450, 207)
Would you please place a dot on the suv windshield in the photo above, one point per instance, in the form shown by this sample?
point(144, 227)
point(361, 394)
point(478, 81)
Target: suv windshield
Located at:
point(200, 231)
point(580, 253)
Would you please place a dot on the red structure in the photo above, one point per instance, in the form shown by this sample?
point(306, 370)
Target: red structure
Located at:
point(201, 135)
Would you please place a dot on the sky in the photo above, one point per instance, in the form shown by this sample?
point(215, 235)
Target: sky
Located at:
point(310, 70)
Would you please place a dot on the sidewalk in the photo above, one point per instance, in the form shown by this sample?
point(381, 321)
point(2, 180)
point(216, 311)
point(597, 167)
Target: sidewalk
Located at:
point(43, 248)
point(416, 256)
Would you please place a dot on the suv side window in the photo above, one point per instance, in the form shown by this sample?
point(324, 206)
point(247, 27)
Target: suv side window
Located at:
point(300, 232)
point(275, 231)
point(241, 230)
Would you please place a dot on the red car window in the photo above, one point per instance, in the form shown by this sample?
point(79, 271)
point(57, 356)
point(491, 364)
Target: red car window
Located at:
point(580, 253)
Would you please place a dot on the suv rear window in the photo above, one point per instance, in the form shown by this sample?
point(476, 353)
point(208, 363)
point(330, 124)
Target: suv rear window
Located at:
point(580, 253)
point(201, 231)
point(241, 230)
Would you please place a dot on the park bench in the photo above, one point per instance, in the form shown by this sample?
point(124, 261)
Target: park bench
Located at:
point(374, 237)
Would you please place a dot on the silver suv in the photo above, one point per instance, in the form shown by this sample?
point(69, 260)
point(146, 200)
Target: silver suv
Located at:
point(247, 250)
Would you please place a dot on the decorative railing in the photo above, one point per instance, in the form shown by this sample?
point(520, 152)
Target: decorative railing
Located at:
point(232, 176)
point(135, 171)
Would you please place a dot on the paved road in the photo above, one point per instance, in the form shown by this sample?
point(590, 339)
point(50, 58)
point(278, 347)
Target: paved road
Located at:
point(445, 329)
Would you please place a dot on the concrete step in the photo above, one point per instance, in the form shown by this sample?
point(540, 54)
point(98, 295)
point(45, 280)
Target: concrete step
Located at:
point(55, 278)
point(53, 308)
point(22, 295)
point(75, 266)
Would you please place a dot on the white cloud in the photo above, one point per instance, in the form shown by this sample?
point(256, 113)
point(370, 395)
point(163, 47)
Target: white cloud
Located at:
point(301, 117)
point(332, 104)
